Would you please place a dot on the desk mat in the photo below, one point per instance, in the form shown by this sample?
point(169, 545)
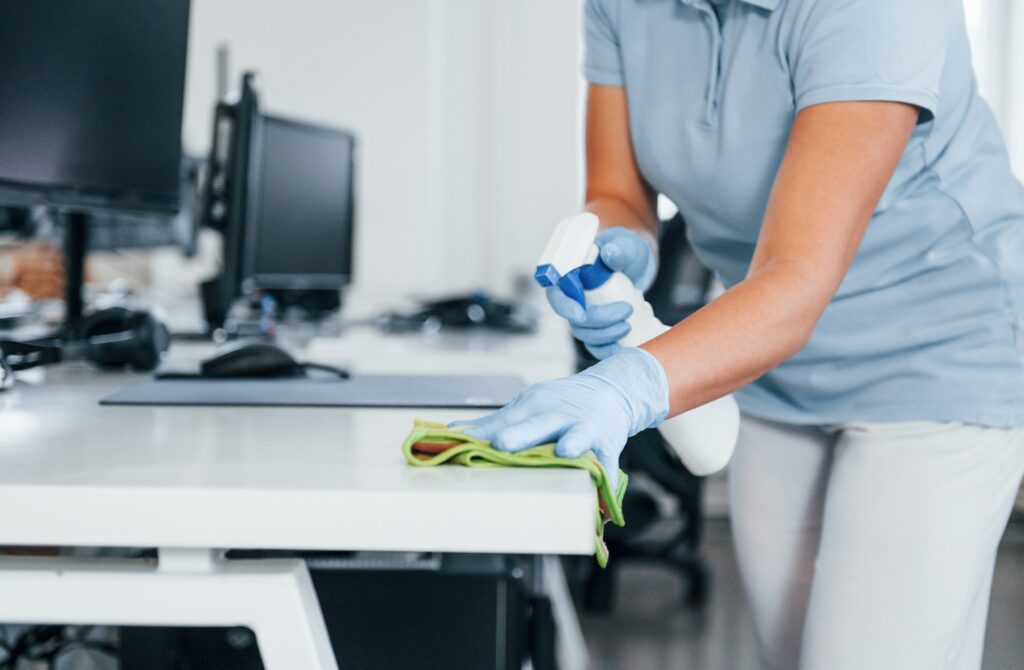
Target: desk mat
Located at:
point(443, 391)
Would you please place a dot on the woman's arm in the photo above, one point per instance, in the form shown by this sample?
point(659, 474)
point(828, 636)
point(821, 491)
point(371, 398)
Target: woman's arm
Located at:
point(625, 205)
point(616, 192)
point(839, 159)
point(838, 162)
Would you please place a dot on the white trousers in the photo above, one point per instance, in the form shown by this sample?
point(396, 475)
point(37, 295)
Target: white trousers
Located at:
point(870, 546)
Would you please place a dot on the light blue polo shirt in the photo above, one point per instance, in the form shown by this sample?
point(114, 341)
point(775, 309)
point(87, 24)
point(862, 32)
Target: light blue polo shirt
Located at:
point(929, 322)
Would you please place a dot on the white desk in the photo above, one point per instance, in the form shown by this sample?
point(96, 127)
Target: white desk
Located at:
point(194, 481)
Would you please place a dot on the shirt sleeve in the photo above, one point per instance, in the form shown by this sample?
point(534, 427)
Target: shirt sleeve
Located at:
point(602, 63)
point(891, 50)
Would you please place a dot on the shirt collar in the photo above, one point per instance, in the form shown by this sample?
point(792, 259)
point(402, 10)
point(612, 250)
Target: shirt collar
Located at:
point(770, 5)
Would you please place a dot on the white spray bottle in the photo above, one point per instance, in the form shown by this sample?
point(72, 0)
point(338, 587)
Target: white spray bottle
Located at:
point(704, 437)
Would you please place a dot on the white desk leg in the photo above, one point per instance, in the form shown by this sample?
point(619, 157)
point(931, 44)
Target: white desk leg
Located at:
point(572, 647)
point(189, 587)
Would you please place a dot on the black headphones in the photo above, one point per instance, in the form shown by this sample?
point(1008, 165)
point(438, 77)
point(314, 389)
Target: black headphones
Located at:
point(6, 375)
point(112, 337)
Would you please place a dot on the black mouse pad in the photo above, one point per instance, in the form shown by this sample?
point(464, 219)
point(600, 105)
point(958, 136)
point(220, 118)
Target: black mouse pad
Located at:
point(429, 391)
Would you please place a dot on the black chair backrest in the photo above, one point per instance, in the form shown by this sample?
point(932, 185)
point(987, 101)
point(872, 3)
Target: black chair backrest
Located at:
point(682, 284)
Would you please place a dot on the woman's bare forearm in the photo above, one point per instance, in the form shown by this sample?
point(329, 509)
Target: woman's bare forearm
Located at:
point(747, 331)
point(615, 212)
point(839, 159)
point(616, 191)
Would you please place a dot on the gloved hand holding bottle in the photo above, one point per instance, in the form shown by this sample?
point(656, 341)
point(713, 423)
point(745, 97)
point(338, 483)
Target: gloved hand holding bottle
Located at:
point(596, 410)
point(600, 327)
point(704, 433)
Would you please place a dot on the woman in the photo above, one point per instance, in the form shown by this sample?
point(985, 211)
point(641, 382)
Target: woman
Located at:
point(838, 171)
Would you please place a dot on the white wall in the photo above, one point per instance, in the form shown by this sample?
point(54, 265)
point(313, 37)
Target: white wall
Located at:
point(468, 116)
point(996, 28)
point(466, 112)
point(1013, 109)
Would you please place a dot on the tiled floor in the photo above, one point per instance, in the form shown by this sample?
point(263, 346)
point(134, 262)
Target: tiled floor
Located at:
point(649, 630)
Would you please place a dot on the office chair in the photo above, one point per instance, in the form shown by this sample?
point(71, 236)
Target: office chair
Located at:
point(656, 473)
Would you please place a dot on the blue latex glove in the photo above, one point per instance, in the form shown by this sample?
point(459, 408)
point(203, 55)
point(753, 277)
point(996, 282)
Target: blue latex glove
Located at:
point(596, 410)
point(627, 251)
point(600, 327)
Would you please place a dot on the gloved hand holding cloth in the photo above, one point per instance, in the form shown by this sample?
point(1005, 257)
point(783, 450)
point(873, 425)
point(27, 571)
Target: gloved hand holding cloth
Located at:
point(596, 410)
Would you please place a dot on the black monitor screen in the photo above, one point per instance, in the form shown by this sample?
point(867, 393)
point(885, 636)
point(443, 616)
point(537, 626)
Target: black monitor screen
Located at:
point(300, 211)
point(91, 95)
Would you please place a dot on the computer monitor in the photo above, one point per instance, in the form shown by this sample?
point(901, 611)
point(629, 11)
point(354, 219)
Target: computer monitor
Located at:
point(300, 211)
point(225, 196)
point(91, 96)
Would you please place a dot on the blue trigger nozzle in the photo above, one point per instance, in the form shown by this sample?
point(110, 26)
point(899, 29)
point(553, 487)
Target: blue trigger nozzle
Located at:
point(572, 286)
point(595, 275)
point(546, 275)
point(576, 282)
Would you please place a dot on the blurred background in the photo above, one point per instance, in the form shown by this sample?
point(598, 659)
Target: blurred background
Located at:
point(468, 118)
point(999, 63)
point(467, 115)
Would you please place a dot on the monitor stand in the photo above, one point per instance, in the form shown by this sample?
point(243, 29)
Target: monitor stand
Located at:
point(216, 303)
point(48, 349)
point(76, 242)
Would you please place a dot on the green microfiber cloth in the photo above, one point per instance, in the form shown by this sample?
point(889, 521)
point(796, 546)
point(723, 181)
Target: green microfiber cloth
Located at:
point(431, 444)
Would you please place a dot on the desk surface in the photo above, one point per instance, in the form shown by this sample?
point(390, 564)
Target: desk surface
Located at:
point(75, 473)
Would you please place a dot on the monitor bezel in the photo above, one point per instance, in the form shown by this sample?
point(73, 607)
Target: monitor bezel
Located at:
point(87, 200)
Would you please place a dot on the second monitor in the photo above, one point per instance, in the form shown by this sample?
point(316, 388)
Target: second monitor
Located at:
point(300, 209)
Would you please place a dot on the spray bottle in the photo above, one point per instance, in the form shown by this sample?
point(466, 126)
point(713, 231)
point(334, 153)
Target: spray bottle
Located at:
point(704, 437)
